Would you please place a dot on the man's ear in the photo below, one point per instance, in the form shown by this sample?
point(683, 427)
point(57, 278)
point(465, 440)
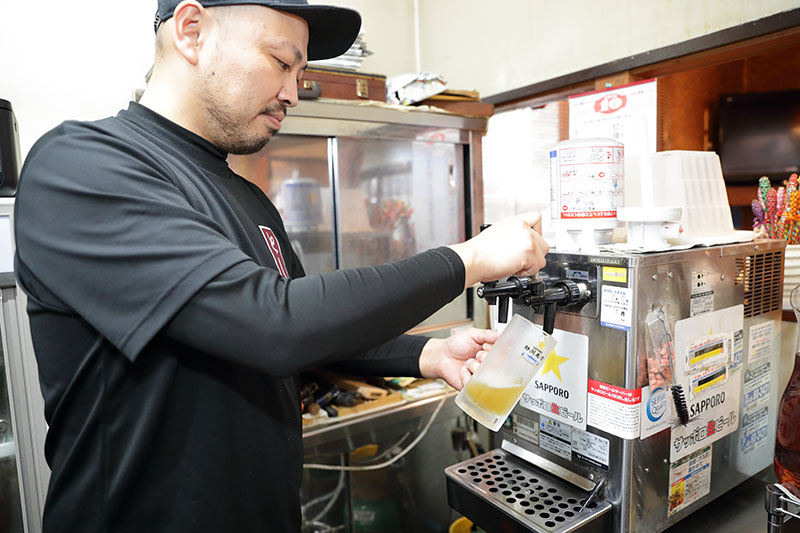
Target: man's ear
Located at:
point(189, 20)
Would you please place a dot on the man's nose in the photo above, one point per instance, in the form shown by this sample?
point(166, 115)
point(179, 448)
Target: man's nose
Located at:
point(288, 94)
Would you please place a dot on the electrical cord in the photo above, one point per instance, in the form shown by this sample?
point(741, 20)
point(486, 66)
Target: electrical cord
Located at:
point(315, 466)
point(331, 497)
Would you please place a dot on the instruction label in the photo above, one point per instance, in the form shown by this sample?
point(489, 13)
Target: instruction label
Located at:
point(761, 341)
point(755, 430)
point(756, 386)
point(614, 410)
point(689, 480)
point(525, 428)
point(555, 437)
point(590, 448)
point(702, 298)
point(737, 355)
point(616, 307)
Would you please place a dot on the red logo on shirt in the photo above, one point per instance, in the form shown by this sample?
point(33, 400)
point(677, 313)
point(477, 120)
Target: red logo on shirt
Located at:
point(275, 250)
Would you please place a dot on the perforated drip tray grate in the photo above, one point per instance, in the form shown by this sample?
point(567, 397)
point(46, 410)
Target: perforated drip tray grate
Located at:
point(531, 497)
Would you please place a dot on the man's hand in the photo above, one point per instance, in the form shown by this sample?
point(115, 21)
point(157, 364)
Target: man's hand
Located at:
point(513, 246)
point(457, 357)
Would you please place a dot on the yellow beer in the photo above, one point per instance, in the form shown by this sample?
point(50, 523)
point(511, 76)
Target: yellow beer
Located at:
point(496, 400)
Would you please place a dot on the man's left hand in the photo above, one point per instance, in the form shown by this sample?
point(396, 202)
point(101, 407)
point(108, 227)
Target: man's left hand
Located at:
point(457, 357)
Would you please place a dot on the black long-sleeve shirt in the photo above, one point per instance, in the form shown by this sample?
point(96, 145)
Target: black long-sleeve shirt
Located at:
point(170, 317)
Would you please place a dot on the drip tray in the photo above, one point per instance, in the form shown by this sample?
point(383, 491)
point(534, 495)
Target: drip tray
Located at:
point(500, 492)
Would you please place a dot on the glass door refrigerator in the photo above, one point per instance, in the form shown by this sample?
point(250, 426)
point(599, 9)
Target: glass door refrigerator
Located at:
point(23, 471)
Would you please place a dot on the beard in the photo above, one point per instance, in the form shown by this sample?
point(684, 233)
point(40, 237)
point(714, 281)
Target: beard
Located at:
point(228, 127)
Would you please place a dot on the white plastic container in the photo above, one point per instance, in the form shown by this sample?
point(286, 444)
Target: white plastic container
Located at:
point(586, 189)
point(691, 180)
point(510, 365)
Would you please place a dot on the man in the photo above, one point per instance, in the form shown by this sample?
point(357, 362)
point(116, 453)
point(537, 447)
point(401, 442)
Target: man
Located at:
point(170, 317)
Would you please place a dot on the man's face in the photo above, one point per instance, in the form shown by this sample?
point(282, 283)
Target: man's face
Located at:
point(248, 76)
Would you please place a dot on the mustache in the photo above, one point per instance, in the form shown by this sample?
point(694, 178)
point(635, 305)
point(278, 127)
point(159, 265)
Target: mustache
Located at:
point(275, 109)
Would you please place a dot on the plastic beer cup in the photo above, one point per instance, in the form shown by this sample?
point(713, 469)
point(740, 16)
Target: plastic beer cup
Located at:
point(494, 389)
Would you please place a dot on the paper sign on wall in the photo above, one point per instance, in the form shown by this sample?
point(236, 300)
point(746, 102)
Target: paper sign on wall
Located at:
point(626, 114)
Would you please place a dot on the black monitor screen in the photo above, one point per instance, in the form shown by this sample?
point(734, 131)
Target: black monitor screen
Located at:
point(759, 135)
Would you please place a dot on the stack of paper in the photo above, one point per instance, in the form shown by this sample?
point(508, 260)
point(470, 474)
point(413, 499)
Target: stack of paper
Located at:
point(350, 60)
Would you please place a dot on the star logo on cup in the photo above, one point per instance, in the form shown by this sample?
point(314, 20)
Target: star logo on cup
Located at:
point(553, 363)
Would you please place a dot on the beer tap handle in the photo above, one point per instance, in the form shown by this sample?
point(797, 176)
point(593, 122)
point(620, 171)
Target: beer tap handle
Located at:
point(502, 309)
point(549, 318)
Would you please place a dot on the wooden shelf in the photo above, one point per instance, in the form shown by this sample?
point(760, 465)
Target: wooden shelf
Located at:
point(741, 195)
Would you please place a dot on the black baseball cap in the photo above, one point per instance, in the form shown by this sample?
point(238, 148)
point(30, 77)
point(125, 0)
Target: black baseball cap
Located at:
point(331, 29)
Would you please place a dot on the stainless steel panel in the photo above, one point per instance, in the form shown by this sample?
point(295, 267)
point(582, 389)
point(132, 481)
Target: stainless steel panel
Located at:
point(335, 119)
point(534, 499)
point(638, 474)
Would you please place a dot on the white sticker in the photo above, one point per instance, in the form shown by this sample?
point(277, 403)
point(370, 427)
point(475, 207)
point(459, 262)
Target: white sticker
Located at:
point(709, 351)
point(755, 428)
point(615, 307)
point(707, 381)
point(760, 341)
point(555, 437)
point(525, 428)
point(702, 298)
point(689, 480)
point(590, 447)
point(738, 350)
point(756, 386)
point(655, 411)
point(614, 410)
point(559, 389)
point(713, 412)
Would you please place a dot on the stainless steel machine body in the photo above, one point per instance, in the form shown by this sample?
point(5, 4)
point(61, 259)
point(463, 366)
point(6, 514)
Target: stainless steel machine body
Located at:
point(650, 481)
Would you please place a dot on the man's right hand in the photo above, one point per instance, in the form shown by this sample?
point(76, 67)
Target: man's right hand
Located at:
point(513, 246)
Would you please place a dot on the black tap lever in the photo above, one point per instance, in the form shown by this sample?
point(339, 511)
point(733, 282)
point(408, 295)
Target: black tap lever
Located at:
point(542, 295)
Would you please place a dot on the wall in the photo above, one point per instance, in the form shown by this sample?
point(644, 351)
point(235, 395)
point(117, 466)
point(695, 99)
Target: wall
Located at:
point(388, 31)
point(526, 41)
point(80, 60)
point(71, 60)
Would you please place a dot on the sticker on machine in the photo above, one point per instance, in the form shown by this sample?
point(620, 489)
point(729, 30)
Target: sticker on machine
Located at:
point(702, 296)
point(737, 355)
point(689, 480)
point(712, 400)
point(655, 415)
point(559, 389)
point(525, 428)
point(555, 437)
point(590, 448)
point(756, 386)
point(755, 430)
point(616, 307)
point(614, 410)
point(760, 341)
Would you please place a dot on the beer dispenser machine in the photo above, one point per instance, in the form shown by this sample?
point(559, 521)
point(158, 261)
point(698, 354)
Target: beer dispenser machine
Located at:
point(659, 397)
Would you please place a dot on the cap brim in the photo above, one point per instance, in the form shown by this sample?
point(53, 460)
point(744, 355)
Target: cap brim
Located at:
point(331, 30)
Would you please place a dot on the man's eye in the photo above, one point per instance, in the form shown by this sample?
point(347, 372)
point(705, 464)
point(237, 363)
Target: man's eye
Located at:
point(284, 66)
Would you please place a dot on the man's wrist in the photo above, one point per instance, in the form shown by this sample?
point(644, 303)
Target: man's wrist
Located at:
point(427, 358)
point(468, 256)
